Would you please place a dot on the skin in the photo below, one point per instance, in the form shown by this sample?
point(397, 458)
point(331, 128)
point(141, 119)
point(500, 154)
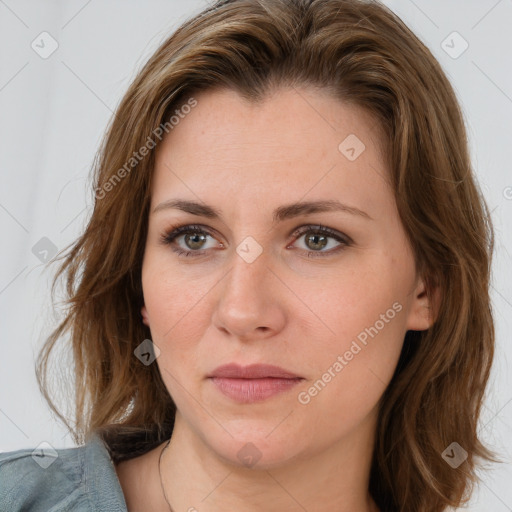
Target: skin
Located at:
point(284, 308)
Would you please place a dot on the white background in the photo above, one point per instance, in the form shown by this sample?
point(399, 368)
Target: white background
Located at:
point(54, 111)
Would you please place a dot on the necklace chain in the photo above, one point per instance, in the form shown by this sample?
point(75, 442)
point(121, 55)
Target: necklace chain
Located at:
point(160, 473)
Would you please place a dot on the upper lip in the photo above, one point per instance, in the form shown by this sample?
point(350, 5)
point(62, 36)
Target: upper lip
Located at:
point(253, 371)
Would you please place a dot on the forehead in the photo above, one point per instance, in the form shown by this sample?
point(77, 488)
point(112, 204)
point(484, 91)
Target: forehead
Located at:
point(295, 143)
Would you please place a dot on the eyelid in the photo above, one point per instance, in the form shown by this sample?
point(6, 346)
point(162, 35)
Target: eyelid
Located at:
point(320, 228)
point(168, 236)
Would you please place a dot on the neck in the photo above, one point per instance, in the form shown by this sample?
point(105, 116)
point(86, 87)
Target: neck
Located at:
point(334, 479)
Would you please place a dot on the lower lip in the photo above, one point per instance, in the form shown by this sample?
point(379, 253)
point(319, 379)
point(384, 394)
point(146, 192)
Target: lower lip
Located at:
point(253, 390)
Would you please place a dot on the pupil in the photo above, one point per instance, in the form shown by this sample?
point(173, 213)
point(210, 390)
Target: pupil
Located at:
point(315, 239)
point(193, 239)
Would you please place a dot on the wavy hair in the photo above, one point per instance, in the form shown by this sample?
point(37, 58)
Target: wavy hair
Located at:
point(363, 54)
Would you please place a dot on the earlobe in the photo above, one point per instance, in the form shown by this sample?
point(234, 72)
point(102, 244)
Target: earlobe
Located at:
point(424, 311)
point(144, 313)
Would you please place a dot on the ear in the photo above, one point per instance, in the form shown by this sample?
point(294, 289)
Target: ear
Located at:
point(423, 312)
point(145, 318)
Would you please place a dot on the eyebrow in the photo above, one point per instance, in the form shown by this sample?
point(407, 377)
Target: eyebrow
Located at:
point(280, 214)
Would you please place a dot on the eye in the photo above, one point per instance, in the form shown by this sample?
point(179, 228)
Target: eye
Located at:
point(192, 240)
point(316, 238)
point(193, 237)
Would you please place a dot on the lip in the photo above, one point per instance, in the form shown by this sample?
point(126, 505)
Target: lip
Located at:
point(253, 383)
point(252, 371)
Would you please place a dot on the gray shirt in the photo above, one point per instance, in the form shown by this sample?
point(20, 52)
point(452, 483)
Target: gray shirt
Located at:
point(76, 479)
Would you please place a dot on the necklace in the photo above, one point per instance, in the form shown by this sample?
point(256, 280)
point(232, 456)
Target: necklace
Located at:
point(160, 473)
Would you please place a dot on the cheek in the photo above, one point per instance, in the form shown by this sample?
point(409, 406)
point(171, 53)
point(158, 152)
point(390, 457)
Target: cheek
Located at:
point(365, 310)
point(364, 296)
point(179, 314)
point(364, 343)
point(352, 369)
point(171, 300)
point(176, 315)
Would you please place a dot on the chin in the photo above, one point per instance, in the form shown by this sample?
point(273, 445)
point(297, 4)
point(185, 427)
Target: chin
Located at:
point(253, 449)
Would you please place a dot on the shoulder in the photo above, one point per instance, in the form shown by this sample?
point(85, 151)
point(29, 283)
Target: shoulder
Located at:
point(76, 479)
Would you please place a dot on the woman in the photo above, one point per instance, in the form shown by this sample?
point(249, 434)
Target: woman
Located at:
point(281, 299)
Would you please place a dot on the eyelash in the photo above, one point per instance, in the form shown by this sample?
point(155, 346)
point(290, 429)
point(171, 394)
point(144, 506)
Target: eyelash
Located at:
point(168, 238)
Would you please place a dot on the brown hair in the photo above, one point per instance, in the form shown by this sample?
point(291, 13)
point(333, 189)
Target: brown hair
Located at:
point(363, 54)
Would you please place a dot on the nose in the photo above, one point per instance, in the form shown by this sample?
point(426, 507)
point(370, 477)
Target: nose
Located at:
point(251, 301)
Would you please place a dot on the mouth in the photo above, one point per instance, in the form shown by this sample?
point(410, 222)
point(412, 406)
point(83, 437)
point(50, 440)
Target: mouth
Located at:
point(253, 383)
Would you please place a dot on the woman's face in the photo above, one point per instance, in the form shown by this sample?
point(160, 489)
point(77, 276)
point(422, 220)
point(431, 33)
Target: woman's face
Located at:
point(254, 281)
